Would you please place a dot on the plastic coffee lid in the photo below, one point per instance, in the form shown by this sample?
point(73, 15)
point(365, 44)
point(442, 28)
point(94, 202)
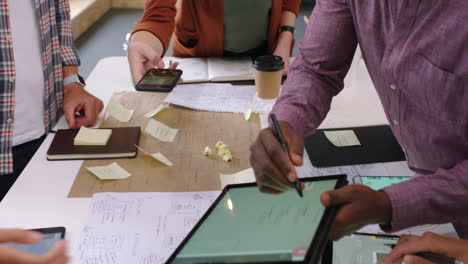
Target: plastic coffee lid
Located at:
point(268, 63)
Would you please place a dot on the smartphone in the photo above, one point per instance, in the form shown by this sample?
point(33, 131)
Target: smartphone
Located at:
point(159, 80)
point(50, 237)
point(379, 182)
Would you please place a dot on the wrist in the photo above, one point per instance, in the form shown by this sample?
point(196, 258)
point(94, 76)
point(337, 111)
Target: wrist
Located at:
point(147, 38)
point(384, 205)
point(69, 70)
point(74, 79)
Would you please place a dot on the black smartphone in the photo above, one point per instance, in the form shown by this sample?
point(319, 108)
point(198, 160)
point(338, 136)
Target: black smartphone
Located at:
point(51, 236)
point(159, 80)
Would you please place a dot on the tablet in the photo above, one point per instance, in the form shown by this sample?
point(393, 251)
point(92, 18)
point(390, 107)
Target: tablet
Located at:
point(246, 226)
point(50, 237)
point(362, 248)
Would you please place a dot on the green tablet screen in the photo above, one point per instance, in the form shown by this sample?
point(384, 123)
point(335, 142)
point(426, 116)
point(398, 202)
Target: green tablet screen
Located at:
point(249, 226)
point(380, 182)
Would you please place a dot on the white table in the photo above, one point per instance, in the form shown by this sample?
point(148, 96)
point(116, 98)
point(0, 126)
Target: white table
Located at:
point(39, 196)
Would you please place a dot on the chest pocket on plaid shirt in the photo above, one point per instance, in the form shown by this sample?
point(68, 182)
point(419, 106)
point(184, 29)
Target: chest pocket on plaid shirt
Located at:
point(439, 93)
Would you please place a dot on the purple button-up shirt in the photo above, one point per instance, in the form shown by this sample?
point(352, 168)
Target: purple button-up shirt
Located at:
point(416, 52)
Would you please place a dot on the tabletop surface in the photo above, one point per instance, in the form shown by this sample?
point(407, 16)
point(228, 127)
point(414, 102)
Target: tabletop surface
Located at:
point(39, 196)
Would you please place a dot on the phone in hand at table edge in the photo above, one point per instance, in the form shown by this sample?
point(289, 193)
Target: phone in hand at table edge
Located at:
point(159, 80)
point(51, 236)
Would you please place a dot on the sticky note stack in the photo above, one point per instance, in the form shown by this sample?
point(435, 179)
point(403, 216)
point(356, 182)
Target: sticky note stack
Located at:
point(92, 137)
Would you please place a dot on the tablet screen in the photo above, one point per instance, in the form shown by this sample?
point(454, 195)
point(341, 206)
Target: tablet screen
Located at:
point(380, 182)
point(249, 226)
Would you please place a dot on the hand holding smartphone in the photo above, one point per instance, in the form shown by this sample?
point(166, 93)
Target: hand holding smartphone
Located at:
point(51, 236)
point(159, 80)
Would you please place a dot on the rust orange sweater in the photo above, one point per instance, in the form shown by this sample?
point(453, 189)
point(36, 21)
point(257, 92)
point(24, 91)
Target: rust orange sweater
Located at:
point(198, 25)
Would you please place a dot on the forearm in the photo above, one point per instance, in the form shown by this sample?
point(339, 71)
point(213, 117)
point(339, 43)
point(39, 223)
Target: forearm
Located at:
point(159, 20)
point(285, 38)
point(325, 55)
point(150, 39)
point(431, 199)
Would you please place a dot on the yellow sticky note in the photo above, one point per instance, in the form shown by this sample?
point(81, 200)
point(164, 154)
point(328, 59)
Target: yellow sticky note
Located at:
point(342, 138)
point(109, 172)
point(158, 109)
point(158, 156)
point(247, 114)
point(161, 131)
point(92, 137)
point(245, 176)
point(119, 112)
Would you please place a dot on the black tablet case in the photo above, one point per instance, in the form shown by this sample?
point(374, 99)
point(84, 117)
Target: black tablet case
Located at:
point(378, 144)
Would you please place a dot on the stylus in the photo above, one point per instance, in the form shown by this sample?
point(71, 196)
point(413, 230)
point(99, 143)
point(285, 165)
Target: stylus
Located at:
point(279, 136)
point(433, 257)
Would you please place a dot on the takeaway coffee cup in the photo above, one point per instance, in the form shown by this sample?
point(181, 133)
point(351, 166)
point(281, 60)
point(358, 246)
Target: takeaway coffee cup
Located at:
point(268, 71)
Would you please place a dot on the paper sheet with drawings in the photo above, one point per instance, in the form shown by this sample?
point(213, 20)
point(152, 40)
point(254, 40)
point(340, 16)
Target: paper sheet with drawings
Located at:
point(216, 97)
point(444, 229)
point(144, 228)
point(308, 170)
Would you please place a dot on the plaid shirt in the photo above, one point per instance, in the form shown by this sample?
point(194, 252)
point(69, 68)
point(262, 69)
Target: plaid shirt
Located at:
point(58, 49)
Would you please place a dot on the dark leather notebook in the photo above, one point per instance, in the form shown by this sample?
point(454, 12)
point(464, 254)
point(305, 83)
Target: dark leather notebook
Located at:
point(378, 144)
point(121, 145)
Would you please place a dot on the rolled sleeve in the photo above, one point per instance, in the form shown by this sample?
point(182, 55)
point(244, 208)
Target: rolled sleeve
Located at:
point(159, 19)
point(292, 5)
point(438, 198)
point(68, 52)
point(325, 55)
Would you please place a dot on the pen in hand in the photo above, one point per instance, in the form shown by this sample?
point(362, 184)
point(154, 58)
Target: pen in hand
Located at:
point(280, 138)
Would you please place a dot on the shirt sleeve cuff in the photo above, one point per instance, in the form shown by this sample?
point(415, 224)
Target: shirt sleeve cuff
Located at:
point(286, 113)
point(404, 201)
point(70, 57)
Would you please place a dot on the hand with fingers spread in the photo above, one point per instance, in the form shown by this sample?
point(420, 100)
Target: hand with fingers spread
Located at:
point(77, 100)
point(429, 243)
point(274, 170)
point(10, 255)
point(359, 206)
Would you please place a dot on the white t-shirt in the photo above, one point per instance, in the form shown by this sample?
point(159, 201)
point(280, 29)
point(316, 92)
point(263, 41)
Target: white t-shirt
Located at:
point(28, 119)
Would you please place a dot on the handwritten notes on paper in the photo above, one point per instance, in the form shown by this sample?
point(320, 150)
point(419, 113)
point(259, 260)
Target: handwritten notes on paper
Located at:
point(92, 137)
point(109, 172)
point(119, 112)
point(160, 131)
point(158, 109)
point(342, 138)
point(245, 176)
point(124, 228)
point(308, 170)
point(157, 156)
point(219, 97)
